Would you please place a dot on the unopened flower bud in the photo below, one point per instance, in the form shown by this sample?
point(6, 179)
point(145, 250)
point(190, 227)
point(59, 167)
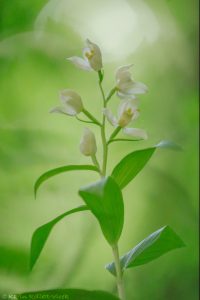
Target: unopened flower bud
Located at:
point(88, 145)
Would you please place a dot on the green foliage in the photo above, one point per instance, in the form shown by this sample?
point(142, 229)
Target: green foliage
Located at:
point(131, 165)
point(134, 162)
point(156, 244)
point(45, 176)
point(104, 198)
point(41, 234)
point(69, 294)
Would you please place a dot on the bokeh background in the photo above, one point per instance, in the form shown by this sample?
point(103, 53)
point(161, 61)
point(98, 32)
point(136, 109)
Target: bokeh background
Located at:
point(160, 39)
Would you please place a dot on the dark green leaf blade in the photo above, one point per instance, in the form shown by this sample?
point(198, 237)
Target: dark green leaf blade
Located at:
point(104, 198)
point(68, 294)
point(45, 176)
point(41, 234)
point(152, 247)
point(135, 161)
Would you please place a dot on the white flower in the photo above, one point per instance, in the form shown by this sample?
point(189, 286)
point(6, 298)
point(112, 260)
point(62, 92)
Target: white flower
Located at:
point(126, 86)
point(71, 103)
point(127, 112)
point(92, 58)
point(88, 145)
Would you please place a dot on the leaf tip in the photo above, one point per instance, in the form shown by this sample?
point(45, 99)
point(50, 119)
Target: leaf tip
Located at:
point(169, 145)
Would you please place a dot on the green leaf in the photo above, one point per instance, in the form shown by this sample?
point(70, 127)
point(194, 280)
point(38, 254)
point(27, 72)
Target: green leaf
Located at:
point(41, 234)
point(131, 165)
point(68, 294)
point(135, 161)
point(59, 170)
point(104, 198)
point(155, 245)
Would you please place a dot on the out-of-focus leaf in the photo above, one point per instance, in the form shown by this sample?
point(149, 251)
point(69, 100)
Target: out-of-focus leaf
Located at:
point(152, 247)
point(169, 145)
point(13, 259)
point(104, 198)
point(135, 161)
point(59, 170)
point(41, 234)
point(69, 294)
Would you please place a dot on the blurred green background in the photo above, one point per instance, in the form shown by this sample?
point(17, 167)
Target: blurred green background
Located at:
point(160, 39)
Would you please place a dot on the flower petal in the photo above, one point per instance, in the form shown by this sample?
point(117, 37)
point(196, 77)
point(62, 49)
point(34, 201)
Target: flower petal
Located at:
point(127, 104)
point(92, 54)
point(123, 72)
point(80, 63)
point(137, 88)
point(109, 116)
point(88, 146)
point(71, 100)
point(62, 110)
point(135, 132)
point(125, 96)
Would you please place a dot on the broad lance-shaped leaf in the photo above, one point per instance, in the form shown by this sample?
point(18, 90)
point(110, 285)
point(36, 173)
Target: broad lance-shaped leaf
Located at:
point(41, 234)
point(155, 245)
point(135, 161)
point(104, 198)
point(68, 294)
point(59, 170)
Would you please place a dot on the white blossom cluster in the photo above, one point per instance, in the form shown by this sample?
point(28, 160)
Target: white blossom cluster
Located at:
point(126, 89)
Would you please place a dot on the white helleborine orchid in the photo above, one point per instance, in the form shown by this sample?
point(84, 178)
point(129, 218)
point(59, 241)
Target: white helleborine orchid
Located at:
point(71, 103)
point(127, 112)
point(88, 146)
point(126, 87)
point(92, 58)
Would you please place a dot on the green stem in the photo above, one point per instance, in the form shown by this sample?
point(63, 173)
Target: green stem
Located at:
point(111, 94)
point(103, 133)
point(122, 140)
point(115, 132)
point(119, 272)
point(95, 162)
point(84, 121)
point(91, 117)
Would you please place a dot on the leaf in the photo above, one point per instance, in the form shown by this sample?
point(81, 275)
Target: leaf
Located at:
point(41, 234)
point(169, 145)
point(155, 245)
point(104, 198)
point(59, 170)
point(68, 294)
point(131, 165)
point(135, 161)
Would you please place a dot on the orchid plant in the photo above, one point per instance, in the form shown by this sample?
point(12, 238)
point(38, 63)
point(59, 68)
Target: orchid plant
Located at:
point(104, 198)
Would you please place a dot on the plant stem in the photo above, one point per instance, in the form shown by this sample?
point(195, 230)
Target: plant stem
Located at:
point(122, 140)
point(119, 273)
point(111, 94)
point(91, 117)
point(115, 132)
point(95, 162)
point(103, 134)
